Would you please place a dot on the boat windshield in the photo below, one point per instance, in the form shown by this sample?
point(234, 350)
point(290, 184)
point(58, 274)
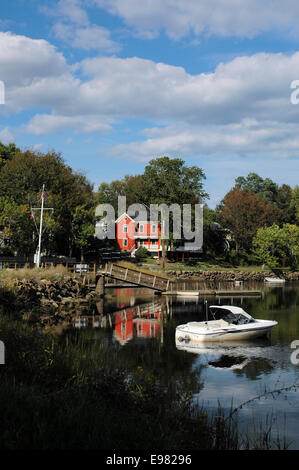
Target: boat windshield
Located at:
point(230, 317)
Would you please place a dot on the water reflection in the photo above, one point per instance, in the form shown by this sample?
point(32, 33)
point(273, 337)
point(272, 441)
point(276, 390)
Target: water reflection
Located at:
point(128, 324)
point(138, 329)
point(250, 358)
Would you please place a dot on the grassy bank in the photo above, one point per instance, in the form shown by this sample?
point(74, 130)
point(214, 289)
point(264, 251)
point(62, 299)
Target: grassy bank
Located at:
point(36, 274)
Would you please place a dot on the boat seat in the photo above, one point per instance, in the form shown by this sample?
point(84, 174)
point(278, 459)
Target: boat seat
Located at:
point(212, 324)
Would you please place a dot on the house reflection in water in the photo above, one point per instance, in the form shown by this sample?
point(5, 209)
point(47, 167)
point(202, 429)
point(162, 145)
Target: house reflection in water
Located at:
point(141, 321)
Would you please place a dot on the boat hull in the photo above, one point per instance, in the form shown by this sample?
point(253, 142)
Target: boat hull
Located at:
point(188, 335)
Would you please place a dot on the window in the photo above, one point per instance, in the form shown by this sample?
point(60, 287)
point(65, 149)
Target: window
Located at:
point(141, 228)
point(125, 242)
point(154, 228)
point(125, 229)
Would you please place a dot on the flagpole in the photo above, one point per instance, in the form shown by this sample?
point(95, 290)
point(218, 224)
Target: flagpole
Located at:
point(40, 229)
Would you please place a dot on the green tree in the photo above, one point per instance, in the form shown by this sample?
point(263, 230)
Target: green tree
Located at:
point(16, 227)
point(273, 244)
point(22, 178)
point(243, 213)
point(141, 253)
point(83, 228)
point(268, 245)
point(269, 192)
point(170, 181)
point(295, 202)
point(7, 152)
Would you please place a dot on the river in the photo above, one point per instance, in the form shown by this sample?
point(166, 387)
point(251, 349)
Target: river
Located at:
point(139, 327)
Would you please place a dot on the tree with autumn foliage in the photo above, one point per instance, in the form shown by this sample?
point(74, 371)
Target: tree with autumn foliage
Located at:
point(243, 213)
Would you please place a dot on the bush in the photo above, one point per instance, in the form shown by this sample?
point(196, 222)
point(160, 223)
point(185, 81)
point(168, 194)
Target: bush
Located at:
point(141, 253)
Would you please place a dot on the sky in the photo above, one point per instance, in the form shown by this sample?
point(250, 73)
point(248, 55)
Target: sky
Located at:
point(112, 84)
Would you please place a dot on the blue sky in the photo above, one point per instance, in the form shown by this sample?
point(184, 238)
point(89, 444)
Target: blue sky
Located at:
point(112, 84)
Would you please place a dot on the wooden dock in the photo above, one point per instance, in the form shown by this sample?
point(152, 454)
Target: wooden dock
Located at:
point(212, 292)
point(137, 278)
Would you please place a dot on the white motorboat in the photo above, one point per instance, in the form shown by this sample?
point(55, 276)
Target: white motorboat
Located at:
point(229, 323)
point(275, 280)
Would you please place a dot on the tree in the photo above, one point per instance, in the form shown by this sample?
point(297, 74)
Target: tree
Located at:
point(243, 213)
point(268, 245)
point(214, 236)
point(141, 253)
point(83, 227)
point(270, 193)
point(265, 189)
point(273, 244)
point(7, 152)
point(22, 178)
point(295, 202)
point(132, 187)
point(16, 227)
point(170, 181)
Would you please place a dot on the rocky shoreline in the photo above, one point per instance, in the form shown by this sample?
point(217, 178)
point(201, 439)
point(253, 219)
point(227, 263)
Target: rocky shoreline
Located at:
point(47, 302)
point(229, 275)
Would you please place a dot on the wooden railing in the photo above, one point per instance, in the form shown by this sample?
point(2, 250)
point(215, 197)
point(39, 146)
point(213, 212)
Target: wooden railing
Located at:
point(136, 277)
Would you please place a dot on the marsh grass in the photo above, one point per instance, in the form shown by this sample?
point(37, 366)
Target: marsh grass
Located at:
point(57, 273)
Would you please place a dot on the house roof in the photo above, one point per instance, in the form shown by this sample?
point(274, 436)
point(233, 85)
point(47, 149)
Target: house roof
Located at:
point(123, 215)
point(133, 218)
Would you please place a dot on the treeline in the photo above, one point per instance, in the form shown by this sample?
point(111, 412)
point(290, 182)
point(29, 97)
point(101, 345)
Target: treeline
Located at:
point(262, 219)
point(257, 220)
point(68, 225)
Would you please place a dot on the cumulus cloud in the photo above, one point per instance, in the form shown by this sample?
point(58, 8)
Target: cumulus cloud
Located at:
point(42, 124)
point(75, 29)
point(242, 106)
point(6, 136)
point(92, 37)
point(256, 87)
point(71, 10)
point(23, 60)
point(243, 18)
point(247, 138)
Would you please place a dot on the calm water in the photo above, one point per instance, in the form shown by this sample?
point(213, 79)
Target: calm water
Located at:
point(139, 327)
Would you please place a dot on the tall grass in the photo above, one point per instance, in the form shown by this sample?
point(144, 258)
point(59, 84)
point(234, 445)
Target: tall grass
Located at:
point(57, 273)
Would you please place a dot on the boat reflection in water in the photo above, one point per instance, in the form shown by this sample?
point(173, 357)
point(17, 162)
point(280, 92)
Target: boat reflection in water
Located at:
point(232, 355)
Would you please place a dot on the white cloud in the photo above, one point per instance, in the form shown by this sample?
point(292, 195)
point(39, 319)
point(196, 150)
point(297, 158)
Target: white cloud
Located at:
point(90, 38)
point(243, 106)
point(42, 124)
point(258, 138)
point(243, 18)
point(23, 60)
point(256, 87)
point(71, 10)
point(75, 29)
point(6, 136)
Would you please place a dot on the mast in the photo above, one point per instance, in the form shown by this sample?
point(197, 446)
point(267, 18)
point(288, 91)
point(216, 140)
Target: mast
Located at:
point(40, 229)
point(163, 244)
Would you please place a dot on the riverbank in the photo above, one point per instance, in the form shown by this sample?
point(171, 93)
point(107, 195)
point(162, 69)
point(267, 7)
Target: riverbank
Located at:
point(45, 302)
point(235, 275)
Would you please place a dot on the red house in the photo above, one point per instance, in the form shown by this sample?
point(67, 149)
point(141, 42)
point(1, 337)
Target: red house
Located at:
point(132, 234)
